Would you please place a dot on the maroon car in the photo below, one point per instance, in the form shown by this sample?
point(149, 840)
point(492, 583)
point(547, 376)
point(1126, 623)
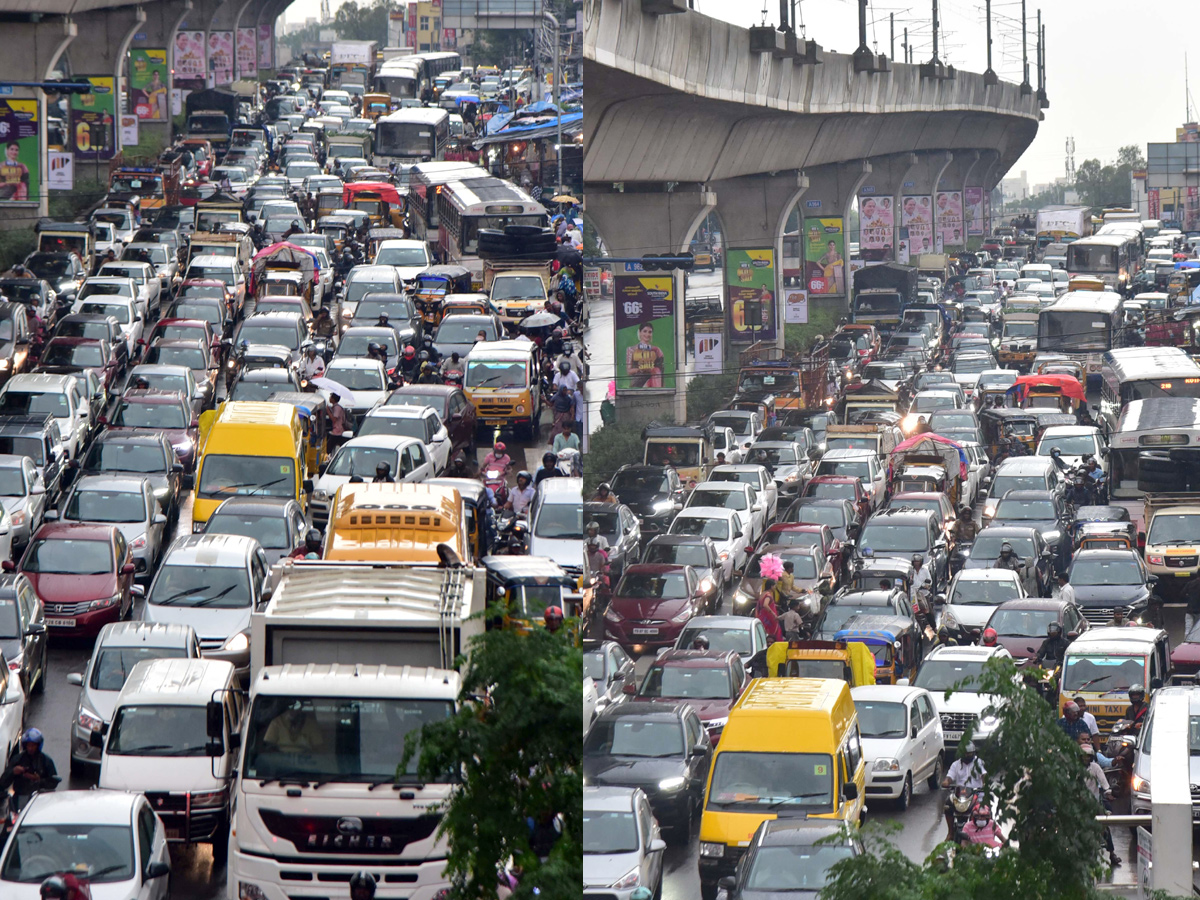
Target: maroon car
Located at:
point(710, 680)
point(840, 487)
point(72, 355)
point(83, 574)
point(652, 603)
point(159, 412)
point(794, 534)
point(450, 403)
point(1020, 625)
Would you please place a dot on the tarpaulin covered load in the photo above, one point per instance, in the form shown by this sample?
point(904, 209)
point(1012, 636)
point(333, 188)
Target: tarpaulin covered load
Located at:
point(952, 454)
point(284, 255)
point(1069, 386)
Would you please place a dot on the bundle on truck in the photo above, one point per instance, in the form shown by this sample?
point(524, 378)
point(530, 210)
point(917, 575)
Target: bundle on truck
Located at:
point(1061, 224)
point(881, 293)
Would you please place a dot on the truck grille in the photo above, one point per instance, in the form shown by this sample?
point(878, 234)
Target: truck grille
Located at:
point(349, 834)
point(958, 721)
point(1097, 615)
point(1179, 562)
point(495, 409)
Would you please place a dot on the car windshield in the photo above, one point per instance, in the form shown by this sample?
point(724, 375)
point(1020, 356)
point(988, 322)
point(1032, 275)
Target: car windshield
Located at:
point(752, 782)
point(1022, 622)
point(356, 290)
point(740, 425)
point(31, 402)
point(881, 719)
point(838, 614)
point(981, 592)
point(773, 456)
point(852, 468)
point(1012, 509)
point(259, 389)
point(973, 365)
point(131, 414)
point(987, 546)
point(833, 515)
point(216, 291)
point(832, 491)
point(192, 357)
point(803, 564)
point(635, 482)
point(95, 331)
point(560, 521)
point(113, 665)
point(12, 482)
point(402, 256)
point(1106, 571)
point(644, 586)
point(803, 868)
point(1102, 674)
point(608, 833)
point(105, 289)
point(223, 476)
point(340, 739)
point(357, 379)
point(719, 637)
point(194, 585)
point(270, 531)
point(735, 499)
point(395, 426)
point(887, 536)
point(696, 683)
point(678, 555)
point(158, 730)
point(86, 505)
point(463, 329)
point(163, 381)
point(36, 852)
point(279, 335)
point(352, 460)
point(118, 311)
point(356, 345)
point(635, 736)
point(69, 557)
point(393, 309)
point(17, 445)
point(495, 374)
point(717, 529)
point(942, 674)
point(1005, 483)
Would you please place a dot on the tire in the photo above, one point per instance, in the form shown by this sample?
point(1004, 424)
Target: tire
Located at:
point(220, 845)
point(524, 230)
point(906, 792)
point(934, 781)
point(680, 833)
point(1157, 466)
point(708, 891)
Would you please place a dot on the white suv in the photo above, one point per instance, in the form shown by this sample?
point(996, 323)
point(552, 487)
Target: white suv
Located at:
point(944, 668)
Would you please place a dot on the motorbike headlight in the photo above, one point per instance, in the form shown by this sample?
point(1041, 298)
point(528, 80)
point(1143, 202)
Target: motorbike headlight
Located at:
point(884, 764)
point(238, 643)
point(671, 784)
point(89, 720)
point(711, 851)
point(630, 879)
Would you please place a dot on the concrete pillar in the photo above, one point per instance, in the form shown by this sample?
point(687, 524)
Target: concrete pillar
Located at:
point(952, 184)
point(986, 174)
point(108, 34)
point(268, 13)
point(884, 187)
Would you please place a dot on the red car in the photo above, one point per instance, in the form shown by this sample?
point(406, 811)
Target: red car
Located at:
point(83, 574)
point(709, 680)
point(795, 534)
point(652, 603)
point(184, 329)
point(840, 487)
point(72, 355)
point(159, 412)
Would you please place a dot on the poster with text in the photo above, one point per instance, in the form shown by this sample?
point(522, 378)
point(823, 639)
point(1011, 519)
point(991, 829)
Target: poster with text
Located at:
point(60, 170)
point(824, 256)
point(148, 85)
point(220, 57)
point(644, 329)
point(709, 347)
point(795, 307)
point(190, 60)
point(974, 212)
point(94, 120)
point(129, 129)
point(750, 282)
point(875, 223)
point(247, 54)
point(266, 46)
point(917, 217)
point(20, 172)
point(949, 218)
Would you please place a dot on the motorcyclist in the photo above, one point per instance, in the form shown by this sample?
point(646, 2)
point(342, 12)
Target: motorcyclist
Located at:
point(1135, 712)
point(362, 886)
point(923, 577)
point(981, 828)
point(458, 467)
point(965, 772)
point(566, 375)
point(311, 545)
point(989, 637)
point(1054, 647)
point(311, 365)
point(31, 770)
point(594, 536)
point(409, 364)
point(1079, 495)
point(427, 347)
point(428, 374)
point(604, 494)
point(453, 367)
point(554, 344)
point(553, 618)
point(520, 497)
point(945, 638)
point(323, 326)
point(67, 886)
point(497, 458)
point(1007, 559)
point(549, 468)
point(383, 474)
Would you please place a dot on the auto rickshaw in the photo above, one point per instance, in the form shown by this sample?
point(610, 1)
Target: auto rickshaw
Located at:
point(528, 586)
point(376, 105)
point(335, 227)
point(1099, 523)
point(477, 509)
point(471, 304)
point(1086, 283)
point(313, 412)
point(283, 282)
point(1048, 418)
point(1001, 428)
point(894, 642)
point(1059, 392)
point(379, 200)
point(433, 284)
point(328, 199)
point(379, 234)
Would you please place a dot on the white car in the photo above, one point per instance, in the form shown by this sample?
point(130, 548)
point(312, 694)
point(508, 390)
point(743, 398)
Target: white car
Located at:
point(123, 308)
point(225, 269)
point(943, 669)
point(746, 424)
point(12, 706)
point(365, 379)
point(726, 528)
point(860, 464)
point(149, 293)
point(732, 495)
point(974, 595)
point(978, 466)
point(115, 834)
point(725, 441)
point(1073, 442)
point(901, 740)
point(120, 219)
point(622, 847)
point(406, 457)
point(420, 422)
point(755, 476)
point(106, 239)
point(409, 257)
point(62, 397)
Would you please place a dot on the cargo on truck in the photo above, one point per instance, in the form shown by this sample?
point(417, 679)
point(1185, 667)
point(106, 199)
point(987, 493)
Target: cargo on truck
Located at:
point(798, 383)
point(881, 439)
point(881, 293)
point(517, 288)
point(1061, 224)
point(211, 114)
point(219, 209)
point(933, 265)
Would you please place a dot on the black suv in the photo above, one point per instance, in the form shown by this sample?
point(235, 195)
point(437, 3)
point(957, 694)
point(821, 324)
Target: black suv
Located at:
point(654, 493)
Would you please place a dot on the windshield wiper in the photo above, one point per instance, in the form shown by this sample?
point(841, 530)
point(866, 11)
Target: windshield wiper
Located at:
point(263, 487)
point(215, 597)
point(179, 595)
point(145, 749)
point(296, 778)
point(1087, 684)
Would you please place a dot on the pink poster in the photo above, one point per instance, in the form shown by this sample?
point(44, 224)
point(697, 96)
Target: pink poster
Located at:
point(949, 219)
point(266, 46)
point(917, 217)
point(875, 223)
point(220, 55)
point(974, 216)
point(247, 54)
point(189, 60)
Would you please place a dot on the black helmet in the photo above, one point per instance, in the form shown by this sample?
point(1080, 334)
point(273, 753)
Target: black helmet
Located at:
point(1006, 549)
point(423, 356)
point(54, 888)
point(374, 347)
point(313, 537)
point(362, 886)
point(1053, 629)
point(549, 459)
point(604, 487)
point(1136, 690)
point(564, 367)
point(524, 474)
point(383, 468)
point(700, 643)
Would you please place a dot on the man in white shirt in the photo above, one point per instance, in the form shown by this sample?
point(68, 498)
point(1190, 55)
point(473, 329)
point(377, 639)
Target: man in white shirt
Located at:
point(566, 375)
point(1087, 717)
point(968, 772)
point(311, 365)
point(1062, 588)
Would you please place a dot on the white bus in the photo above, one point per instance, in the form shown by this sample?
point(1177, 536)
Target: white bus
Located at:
point(1081, 325)
point(399, 79)
point(410, 136)
point(466, 206)
point(1108, 257)
point(1161, 424)
point(1144, 373)
point(425, 182)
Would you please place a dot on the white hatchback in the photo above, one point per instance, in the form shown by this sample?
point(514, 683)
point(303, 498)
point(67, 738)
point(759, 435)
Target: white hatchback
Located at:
point(729, 532)
point(901, 740)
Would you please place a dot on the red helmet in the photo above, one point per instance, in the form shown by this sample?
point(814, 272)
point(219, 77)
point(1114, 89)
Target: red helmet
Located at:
point(989, 637)
point(553, 617)
point(499, 447)
point(410, 351)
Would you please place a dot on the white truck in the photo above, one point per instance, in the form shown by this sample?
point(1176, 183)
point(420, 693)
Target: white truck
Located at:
point(346, 660)
point(1055, 223)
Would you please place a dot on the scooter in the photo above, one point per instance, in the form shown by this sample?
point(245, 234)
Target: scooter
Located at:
point(493, 480)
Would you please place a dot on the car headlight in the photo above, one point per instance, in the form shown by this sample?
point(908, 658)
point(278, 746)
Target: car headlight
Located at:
point(884, 764)
point(671, 784)
point(14, 664)
point(724, 555)
point(682, 616)
point(208, 798)
point(712, 851)
point(714, 724)
point(18, 518)
point(947, 619)
point(237, 643)
point(631, 879)
point(321, 495)
point(104, 603)
point(990, 721)
point(520, 407)
point(792, 477)
point(707, 584)
point(1153, 559)
point(741, 598)
point(198, 527)
point(989, 510)
point(1141, 785)
point(138, 543)
point(612, 615)
point(89, 720)
point(663, 506)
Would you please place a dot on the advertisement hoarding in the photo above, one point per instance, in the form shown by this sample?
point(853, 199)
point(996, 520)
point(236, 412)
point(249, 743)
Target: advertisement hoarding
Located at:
point(875, 223)
point(824, 256)
point(220, 56)
point(917, 217)
point(20, 172)
point(974, 212)
point(949, 219)
point(750, 284)
point(148, 85)
point(190, 59)
point(94, 120)
point(644, 329)
point(247, 54)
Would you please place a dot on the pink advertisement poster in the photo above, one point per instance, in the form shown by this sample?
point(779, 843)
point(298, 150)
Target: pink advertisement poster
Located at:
point(189, 60)
point(974, 216)
point(247, 54)
point(220, 53)
point(949, 219)
point(917, 217)
point(266, 46)
point(875, 222)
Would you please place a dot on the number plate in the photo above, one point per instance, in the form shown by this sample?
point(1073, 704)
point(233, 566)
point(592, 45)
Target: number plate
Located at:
point(645, 631)
point(1183, 574)
point(952, 735)
point(60, 623)
point(174, 834)
point(495, 421)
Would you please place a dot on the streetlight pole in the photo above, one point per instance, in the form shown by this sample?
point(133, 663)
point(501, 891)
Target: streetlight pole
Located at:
point(557, 87)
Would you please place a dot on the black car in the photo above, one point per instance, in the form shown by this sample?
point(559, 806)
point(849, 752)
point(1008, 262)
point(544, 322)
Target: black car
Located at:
point(1043, 511)
point(36, 436)
point(619, 526)
point(902, 533)
point(63, 271)
point(788, 857)
point(1036, 559)
point(654, 493)
point(403, 316)
point(1104, 580)
point(846, 604)
point(145, 454)
point(23, 631)
point(693, 550)
point(662, 749)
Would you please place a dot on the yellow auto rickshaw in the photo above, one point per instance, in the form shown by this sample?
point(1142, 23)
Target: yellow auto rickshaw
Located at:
point(895, 643)
point(527, 586)
point(1002, 428)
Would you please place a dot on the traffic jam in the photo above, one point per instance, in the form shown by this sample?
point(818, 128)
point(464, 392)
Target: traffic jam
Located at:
point(992, 456)
point(280, 417)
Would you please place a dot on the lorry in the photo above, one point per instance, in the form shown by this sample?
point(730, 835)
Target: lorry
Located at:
point(1061, 224)
point(145, 186)
point(73, 237)
point(799, 383)
point(934, 265)
point(517, 288)
point(218, 210)
point(880, 294)
point(211, 114)
point(1172, 552)
point(352, 62)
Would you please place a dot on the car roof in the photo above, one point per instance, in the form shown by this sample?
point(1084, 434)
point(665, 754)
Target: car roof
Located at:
point(31, 381)
point(1111, 553)
point(979, 654)
point(258, 505)
point(175, 681)
point(652, 569)
point(986, 575)
point(642, 709)
point(695, 659)
point(741, 623)
point(606, 798)
point(220, 550)
point(121, 484)
point(1030, 463)
point(386, 441)
point(1031, 602)
point(892, 692)
point(96, 806)
point(706, 512)
point(891, 516)
point(854, 455)
point(11, 460)
point(79, 531)
point(1027, 495)
point(401, 412)
point(354, 362)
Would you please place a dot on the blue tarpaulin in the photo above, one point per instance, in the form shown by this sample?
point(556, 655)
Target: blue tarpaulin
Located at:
point(542, 127)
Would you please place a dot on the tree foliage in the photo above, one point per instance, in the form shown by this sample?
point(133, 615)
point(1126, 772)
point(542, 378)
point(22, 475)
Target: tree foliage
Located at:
point(1101, 185)
point(1036, 778)
point(517, 737)
point(609, 448)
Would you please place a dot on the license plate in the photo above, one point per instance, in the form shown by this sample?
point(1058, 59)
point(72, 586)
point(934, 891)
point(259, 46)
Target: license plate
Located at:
point(174, 834)
point(495, 421)
point(60, 623)
point(952, 735)
point(1183, 574)
point(645, 631)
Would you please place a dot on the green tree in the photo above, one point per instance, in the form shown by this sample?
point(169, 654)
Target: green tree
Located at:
point(1037, 781)
point(354, 22)
point(517, 738)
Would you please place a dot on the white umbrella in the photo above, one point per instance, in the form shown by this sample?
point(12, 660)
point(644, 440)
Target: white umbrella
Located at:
point(332, 387)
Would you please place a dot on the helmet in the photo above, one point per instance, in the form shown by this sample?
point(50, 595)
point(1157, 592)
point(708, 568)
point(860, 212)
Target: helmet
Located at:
point(558, 332)
point(524, 474)
point(383, 317)
point(1134, 689)
point(460, 458)
point(499, 447)
point(54, 888)
point(410, 351)
point(1054, 629)
point(1006, 549)
point(312, 537)
point(309, 345)
point(383, 467)
point(549, 459)
point(33, 736)
point(700, 643)
point(553, 617)
point(423, 356)
point(564, 367)
point(605, 487)
point(969, 748)
point(374, 347)
point(362, 886)
point(918, 560)
point(943, 632)
point(593, 527)
point(989, 637)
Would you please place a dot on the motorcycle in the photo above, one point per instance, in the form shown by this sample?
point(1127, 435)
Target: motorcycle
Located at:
point(511, 534)
point(569, 463)
point(962, 801)
point(493, 480)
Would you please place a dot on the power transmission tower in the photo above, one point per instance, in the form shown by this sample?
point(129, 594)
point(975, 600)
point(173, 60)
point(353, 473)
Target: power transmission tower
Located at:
point(325, 16)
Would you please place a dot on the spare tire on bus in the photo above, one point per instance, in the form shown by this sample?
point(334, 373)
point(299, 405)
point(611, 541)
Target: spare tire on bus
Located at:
point(516, 229)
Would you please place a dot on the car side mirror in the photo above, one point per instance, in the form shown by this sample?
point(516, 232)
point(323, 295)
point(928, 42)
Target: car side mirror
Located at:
point(128, 569)
point(629, 688)
point(75, 678)
point(850, 790)
point(157, 869)
point(214, 719)
point(913, 731)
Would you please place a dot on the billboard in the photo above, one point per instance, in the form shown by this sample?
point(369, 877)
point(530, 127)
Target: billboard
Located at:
point(247, 54)
point(94, 120)
point(824, 256)
point(220, 55)
point(917, 217)
point(148, 85)
point(875, 223)
point(949, 211)
point(266, 46)
point(974, 211)
point(750, 283)
point(644, 329)
point(60, 175)
point(20, 172)
point(190, 60)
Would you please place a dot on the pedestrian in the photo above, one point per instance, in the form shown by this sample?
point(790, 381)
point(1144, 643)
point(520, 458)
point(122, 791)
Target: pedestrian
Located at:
point(1087, 717)
point(791, 621)
point(566, 439)
point(337, 421)
point(580, 411)
point(1062, 588)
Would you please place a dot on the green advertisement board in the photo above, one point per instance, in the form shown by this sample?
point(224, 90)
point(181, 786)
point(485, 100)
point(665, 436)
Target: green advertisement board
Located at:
point(94, 120)
point(148, 85)
point(824, 256)
point(644, 329)
point(20, 170)
point(750, 281)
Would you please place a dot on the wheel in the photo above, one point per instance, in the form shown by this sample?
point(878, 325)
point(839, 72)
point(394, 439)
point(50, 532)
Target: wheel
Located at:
point(934, 781)
point(905, 797)
point(220, 845)
point(708, 891)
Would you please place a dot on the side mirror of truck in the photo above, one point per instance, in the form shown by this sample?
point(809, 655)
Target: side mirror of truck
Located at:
point(215, 719)
point(214, 749)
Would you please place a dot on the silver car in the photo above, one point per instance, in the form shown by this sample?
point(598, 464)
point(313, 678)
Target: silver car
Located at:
point(23, 496)
point(622, 849)
point(119, 646)
point(127, 502)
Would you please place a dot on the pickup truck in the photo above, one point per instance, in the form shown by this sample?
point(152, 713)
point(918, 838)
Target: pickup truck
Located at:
point(1172, 540)
point(517, 288)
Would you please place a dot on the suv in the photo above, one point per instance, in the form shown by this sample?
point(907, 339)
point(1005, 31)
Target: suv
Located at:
point(654, 493)
point(556, 523)
point(61, 396)
point(902, 532)
point(1021, 473)
point(964, 709)
point(36, 436)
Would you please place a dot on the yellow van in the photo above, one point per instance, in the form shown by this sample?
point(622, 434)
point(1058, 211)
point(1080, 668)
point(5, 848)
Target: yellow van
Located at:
point(395, 523)
point(791, 746)
point(502, 384)
point(248, 448)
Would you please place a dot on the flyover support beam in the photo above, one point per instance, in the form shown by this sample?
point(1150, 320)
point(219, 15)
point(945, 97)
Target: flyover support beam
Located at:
point(157, 32)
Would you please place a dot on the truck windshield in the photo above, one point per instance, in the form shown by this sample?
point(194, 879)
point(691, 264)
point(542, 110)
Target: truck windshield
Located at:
point(225, 476)
point(1173, 529)
point(1101, 674)
point(877, 304)
point(205, 124)
point(334, 738)
point(518, 287)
